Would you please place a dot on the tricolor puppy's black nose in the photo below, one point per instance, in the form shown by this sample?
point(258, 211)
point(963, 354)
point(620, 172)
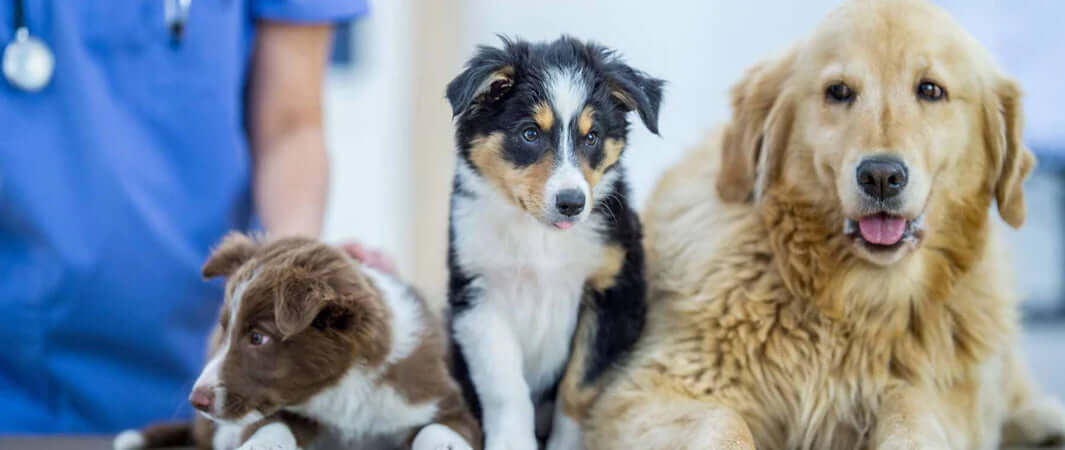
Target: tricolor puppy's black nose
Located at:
point(570, 202)
point(882, 178)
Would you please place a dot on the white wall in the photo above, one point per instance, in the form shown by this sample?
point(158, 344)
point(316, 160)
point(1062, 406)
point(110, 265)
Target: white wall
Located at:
point(368, 131)
point(699, 47)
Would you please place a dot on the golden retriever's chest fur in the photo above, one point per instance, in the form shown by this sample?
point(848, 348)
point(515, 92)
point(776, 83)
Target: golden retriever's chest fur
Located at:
point(754, 322)
point(800, 377)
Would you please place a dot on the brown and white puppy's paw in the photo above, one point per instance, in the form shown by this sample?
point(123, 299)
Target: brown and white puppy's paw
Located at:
point(129, 440)
point(160, 435)
point(272, 436)
point(439, 437)
point(1041, 423)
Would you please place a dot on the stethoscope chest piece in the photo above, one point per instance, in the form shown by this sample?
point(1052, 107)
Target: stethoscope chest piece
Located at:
point(28, 62)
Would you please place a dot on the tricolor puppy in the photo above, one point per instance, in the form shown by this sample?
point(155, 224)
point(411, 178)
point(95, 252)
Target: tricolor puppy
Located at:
point(314, 350)
point(541, 233)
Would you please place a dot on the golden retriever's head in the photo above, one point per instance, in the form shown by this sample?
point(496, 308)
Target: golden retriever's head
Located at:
point(891, 117)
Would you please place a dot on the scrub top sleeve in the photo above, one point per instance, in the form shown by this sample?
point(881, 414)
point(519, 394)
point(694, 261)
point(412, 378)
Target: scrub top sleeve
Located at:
point(308, 11)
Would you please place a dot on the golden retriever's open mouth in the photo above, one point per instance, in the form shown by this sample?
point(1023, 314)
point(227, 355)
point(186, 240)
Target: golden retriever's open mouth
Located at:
point(885, 232)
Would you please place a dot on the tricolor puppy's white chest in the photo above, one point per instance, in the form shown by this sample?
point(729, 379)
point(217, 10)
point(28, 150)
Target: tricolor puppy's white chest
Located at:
point(531, 274)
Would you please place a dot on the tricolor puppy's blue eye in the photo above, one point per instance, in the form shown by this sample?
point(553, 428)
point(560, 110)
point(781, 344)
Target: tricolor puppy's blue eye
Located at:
point(530, 134)
point(591, 139)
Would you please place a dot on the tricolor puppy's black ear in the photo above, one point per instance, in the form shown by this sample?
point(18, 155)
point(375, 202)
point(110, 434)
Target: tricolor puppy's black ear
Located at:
point(488, 77)
point(635, 90)
point(236, 249)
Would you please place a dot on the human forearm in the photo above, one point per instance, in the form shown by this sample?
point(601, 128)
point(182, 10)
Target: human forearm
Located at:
point(290, 182)
point(290, 166)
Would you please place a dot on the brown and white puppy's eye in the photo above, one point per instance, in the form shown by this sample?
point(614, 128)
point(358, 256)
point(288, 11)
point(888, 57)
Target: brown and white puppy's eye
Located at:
point(839, 93)
point(530, 134)
point(591, 139)
point(257, 339)
point(930, 91)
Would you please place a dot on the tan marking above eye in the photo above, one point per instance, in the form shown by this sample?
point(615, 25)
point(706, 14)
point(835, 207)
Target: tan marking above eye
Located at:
point(523, 186)
point(586, 120)
point(611, 153)
point(544, 116)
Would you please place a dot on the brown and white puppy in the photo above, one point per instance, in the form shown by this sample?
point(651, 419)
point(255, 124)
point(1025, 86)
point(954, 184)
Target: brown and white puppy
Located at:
point(315, 350)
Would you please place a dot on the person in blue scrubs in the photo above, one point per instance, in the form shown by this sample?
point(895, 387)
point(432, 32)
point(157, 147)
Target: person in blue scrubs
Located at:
point(119, 175)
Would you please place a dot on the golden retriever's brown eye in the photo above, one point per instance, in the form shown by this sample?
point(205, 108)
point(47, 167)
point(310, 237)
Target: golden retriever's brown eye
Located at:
point(839, 93)
point(930, 91)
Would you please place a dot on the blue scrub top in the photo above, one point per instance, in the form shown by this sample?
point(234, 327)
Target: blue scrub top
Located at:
point(115, 181)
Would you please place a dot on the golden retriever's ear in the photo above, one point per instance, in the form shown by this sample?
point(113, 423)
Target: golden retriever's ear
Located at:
point(235, 249)
point(753, 98)
point(1014, 160)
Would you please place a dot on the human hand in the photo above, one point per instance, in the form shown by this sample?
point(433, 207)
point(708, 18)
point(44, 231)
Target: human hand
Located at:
point(371, 257)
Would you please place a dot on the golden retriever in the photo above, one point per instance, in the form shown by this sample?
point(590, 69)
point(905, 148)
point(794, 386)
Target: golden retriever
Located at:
point(824, 272)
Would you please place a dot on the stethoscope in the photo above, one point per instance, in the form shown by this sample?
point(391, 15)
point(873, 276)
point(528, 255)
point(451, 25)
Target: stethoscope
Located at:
point(28, 62)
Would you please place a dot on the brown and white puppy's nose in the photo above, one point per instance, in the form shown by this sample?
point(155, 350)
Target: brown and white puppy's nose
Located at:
point(202, 398)
point(882, 178)
point(570, 202)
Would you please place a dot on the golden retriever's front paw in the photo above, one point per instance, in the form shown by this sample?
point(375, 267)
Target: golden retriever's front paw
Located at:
point(1041, 423)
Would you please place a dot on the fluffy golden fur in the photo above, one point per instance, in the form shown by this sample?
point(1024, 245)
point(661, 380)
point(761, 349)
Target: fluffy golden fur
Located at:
point(769, 327)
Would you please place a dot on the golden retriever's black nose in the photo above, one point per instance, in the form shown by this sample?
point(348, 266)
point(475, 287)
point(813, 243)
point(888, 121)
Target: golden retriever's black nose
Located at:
point(882, 178)
point(570, 202)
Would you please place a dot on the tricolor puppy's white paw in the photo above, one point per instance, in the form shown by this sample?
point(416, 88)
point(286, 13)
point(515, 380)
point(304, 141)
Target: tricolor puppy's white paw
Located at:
point(565, 434)
point(511, 443)
point(512, 430)
point(438, 437)
point(129, 440)
point(275, 436)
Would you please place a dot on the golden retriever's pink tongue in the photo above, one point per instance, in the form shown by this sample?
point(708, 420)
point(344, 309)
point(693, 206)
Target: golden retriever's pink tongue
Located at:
point(882, 229)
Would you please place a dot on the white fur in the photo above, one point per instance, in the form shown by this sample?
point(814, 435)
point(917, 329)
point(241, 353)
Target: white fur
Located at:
point(438, 437)
point(247, 419)
point(360, 405)
point(567, 93)
point(129, 440)
point(274, 436)
point(493, 354)
point(530, 279)
point(565, 433)
point(210, 378)
point(408, 325)
point(226, 436)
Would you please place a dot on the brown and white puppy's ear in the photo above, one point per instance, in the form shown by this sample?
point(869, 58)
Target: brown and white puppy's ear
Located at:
point(329, 293)
point(236, 249)
point(1003, 134)
point(301, 298)
point(748, 160)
